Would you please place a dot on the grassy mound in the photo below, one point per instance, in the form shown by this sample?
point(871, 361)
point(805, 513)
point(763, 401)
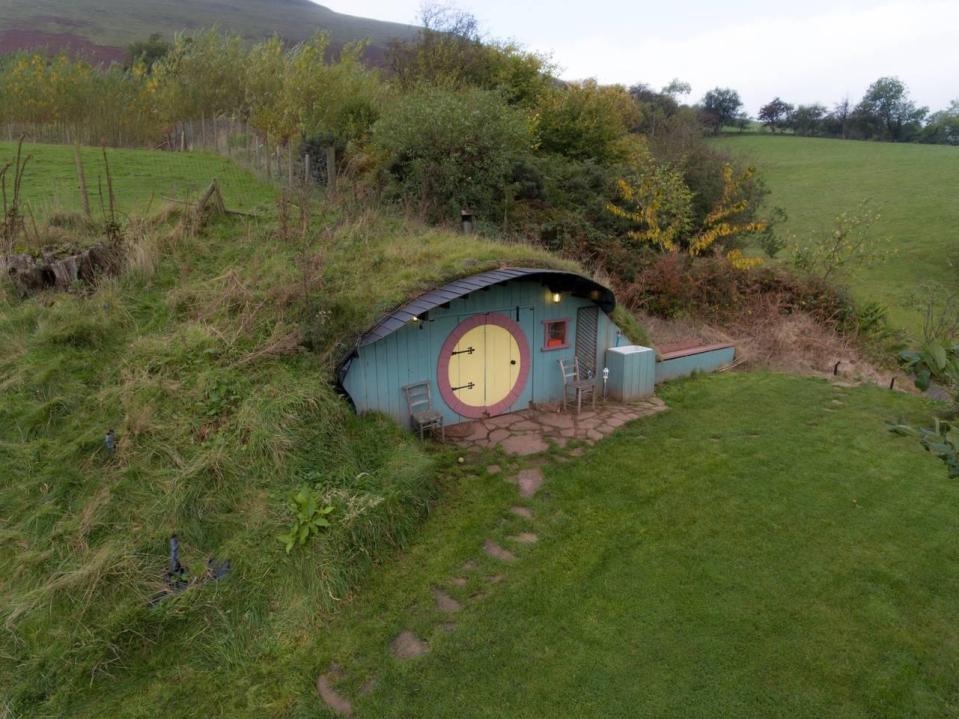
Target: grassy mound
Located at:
point(911, 185)
point(195, 357)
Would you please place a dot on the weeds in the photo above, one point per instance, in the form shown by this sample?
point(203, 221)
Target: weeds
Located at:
point(13, 219)
point(309, 518)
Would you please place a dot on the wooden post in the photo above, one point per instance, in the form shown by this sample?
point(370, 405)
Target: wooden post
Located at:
point(307, 179)
point(331, 170)
point(289, 160)
point(82, 180)
point(203, 130)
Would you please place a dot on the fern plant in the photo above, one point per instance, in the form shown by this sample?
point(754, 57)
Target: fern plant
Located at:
point(309, 518)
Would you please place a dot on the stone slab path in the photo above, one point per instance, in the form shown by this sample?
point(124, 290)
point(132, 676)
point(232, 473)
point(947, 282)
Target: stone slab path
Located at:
point(529, 480)
point(497, 552)
point(532, 430)
point(445, 603)
point(524, 433)
point(407, 645)
point(525, 538)
point(339, 705)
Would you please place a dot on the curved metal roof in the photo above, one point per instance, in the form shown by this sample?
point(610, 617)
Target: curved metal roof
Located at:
point(556, 280)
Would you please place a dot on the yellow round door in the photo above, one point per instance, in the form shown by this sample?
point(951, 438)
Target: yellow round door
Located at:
point(486, 363)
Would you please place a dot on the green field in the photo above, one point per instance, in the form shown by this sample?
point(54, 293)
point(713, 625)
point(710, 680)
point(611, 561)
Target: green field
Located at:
point(913, 186)
point(143, 181)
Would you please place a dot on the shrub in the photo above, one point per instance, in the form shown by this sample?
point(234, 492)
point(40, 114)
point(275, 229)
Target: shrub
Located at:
point(676, 285)
point(936, 362)
point(585, 121)
point(446, 150)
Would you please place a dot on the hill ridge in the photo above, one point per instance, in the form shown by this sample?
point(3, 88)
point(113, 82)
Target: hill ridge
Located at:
point(102, 29)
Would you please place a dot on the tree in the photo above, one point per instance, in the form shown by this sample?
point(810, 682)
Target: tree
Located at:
point(943, 126)
point(887, 111)
point(807, 119)
point(851, 243)
point(450, 51)
point(775, 114)
point(148, 52)
point(720, 106)
point(659, 207)
point(840, 116)
point(656, 107)
point(677, 87)
point(450, 149)
point(586, 120)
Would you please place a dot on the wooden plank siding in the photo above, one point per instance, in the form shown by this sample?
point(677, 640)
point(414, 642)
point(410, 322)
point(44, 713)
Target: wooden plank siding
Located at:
point(379, 371)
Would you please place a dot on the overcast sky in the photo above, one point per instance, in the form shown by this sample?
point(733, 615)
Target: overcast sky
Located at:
point(809, 51)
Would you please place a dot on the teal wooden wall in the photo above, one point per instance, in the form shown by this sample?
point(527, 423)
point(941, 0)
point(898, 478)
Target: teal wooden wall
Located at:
point(702, 362)
point(377, 375)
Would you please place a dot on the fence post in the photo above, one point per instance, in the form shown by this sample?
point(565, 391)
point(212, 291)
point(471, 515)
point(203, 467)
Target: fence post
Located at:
point(307, 179)
point(289, 160)
point(331, 169)
point(82, 179)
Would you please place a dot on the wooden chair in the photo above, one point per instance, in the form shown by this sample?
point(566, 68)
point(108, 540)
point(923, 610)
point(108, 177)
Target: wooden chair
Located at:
point(572, 380)
point(423, 417)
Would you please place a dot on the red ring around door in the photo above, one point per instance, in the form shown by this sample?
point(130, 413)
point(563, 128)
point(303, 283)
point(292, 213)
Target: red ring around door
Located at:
point(443, 366)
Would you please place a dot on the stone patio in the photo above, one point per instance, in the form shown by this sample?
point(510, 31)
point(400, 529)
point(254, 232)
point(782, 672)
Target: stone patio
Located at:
point(531, 431)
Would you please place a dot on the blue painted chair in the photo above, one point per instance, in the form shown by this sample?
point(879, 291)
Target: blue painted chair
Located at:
point(423, 418)
point(573, 381)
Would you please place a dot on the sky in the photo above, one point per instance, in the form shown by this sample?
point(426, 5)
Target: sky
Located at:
point(811, 51)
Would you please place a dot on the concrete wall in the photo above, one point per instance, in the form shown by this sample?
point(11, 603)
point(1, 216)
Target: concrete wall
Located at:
point(708, 361)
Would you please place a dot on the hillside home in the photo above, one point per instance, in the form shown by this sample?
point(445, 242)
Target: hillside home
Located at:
point(491, 343)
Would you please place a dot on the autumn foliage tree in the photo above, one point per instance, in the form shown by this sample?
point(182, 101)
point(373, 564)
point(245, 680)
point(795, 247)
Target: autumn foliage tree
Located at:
point(658, 207)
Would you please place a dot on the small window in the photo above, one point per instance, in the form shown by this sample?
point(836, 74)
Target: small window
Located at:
point(556, 334)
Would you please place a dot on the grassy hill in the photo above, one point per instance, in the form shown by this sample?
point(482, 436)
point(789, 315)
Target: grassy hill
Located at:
point(913, 186)
point(104, 28)
point(766, 548)
point(194, 356)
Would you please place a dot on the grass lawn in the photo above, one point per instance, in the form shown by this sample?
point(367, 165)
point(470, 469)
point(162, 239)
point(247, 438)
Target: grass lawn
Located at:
point(141, 179)
point(765, 548)
point(913, 186)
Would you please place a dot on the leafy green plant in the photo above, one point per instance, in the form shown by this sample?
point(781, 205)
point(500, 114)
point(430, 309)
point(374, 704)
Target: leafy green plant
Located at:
point(942, 440)
point(309, 518)
point(936, 362)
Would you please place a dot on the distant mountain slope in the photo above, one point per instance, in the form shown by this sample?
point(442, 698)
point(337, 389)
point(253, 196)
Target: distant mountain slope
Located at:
point(102, 29)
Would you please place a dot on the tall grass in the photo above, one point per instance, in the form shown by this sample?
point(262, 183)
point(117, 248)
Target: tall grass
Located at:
point(195, 356)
